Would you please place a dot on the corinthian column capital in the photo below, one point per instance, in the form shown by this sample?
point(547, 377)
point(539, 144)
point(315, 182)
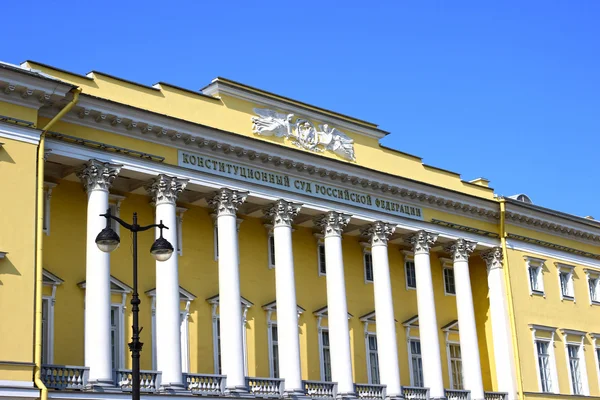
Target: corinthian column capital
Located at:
point(332, 223)
point(378, 233)
point(227, 201)
point(98, 175)
point(493, 258)
point(422, 241)
point(165, 189)
point(282, 212)
point(461, 249)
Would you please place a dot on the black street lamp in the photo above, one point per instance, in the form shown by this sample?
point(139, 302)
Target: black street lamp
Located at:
point(107, 241)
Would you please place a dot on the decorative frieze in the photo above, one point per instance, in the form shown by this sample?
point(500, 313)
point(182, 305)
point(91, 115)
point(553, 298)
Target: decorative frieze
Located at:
point(421, 241)
point(98, 175)
point(332, 223)
point(227, 201)
point(283, 212)
point(461, 249)
point(379, 233)
point(493, 258)
point(165, 189)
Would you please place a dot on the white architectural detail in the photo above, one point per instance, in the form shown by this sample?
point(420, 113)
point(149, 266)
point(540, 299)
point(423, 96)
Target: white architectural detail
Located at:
point(371, 349)
point(274, 360)
point(453, 355)
point(576, 363)
point(428, 327)
point(502, 338)
point(413, 344)
point(535, 275)
point(325, 354)
point(97, 177)
point(48, 186)
point(565, 281)
point(378, 234)
point(461, 250)
point(282, 213)
point(226, 202)
point(593, 280)
point(332, 225)
point(49, 279)
point(303, 133)
point(179, 220)
point(543, 353)
point(164, 191)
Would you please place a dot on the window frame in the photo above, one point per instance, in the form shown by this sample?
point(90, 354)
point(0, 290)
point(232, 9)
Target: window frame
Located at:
point(453, 329)
point(48, 187)
point(448, 265)
point(367, 254)
point(323, 368)
point(114, 203)
point(321, 261)
point(320, 314)
point(271, 309)
point(409, 257)
point(369, 351)
point(553, 374)
point(458, 361)
point(120, 336)
point(409, 325)
point(536, 264)
point(179, 211)
point(593, 275)
point(570, 285)
point(596, 345)
point(53, 281)
point(576, 338)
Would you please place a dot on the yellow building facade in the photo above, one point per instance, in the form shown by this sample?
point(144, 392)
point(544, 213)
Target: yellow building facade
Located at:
point(310, 261)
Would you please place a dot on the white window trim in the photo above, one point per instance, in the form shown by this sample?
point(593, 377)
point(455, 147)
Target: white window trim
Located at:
point(186, 298)
point(408, 256)
point(271, 308)
point(569, 269)
point(320, 242)
point(451, 328)
point(366, 320)
point(48, 186)
point(179, 217)
point(553, 372)
point(596, 344)
point(245, 304)
point(367, 250)
point(408, 325)
point(447, 264)
point(320, 314)
point(53, 281)
point(577, 338)
point(593, 274)
point(114, 202)
point(270, 251)
point(533, 262)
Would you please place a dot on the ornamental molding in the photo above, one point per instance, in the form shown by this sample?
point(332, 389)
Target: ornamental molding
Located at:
point(29, 89)
point(461, 249)
point(494, 258)
point(332, 223)
point(378, 233)
point(421, 241)
point(164, 189)
point(227, 201)
point(98, 175)
point(302, 133)
point(282, 212)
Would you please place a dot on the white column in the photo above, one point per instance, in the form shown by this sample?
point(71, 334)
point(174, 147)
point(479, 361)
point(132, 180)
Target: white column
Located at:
point(97, 178)
point(333, 224)
point(469, 345)
point(502, 338)
point(387, 346)
point(164, 190)
point(428, 327)
point(283, 213)
point(226, 203)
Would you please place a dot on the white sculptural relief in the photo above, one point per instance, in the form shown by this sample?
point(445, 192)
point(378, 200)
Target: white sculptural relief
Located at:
point(303, 133)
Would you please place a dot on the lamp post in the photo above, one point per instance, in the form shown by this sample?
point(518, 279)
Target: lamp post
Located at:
point(107, 241)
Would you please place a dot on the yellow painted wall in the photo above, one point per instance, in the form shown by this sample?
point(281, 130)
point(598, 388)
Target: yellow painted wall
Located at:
point(17, 217)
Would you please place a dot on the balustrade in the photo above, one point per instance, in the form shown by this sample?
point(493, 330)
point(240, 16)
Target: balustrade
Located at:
point(415, 393)
point(320, 389)
point(149, 380)
point(454, 394)
point(64, 376)
point(204, 384)
point(265, 387)
point(369, 391)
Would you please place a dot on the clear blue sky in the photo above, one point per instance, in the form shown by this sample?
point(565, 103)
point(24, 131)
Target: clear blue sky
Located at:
point(506, 90)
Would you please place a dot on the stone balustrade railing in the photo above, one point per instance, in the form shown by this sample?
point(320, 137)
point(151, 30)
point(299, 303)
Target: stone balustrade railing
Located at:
point(320, 389)
point(369, 391)
point(64, 376)
point(454, 394)
point(495, 396)
point(265, 387)
point(205, 384)
point(149, 380)
point(415, 393)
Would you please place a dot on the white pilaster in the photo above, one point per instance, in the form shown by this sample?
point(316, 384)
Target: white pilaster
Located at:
point(469, 345)
point(387, 347)
point(428, 327)
point(97, 177)
point(333, 224)
point(502, 339)
point(226, 203)
point(164, 191)
point(282, 213)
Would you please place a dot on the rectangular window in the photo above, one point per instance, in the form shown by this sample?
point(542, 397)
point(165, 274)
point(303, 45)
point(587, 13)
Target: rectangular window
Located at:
point(566, 284)
point(416, 363)
point(216, 241)
point(543, 355)
point(593, 286)
point(217, 328)
point(411, 278)
point(115, 336)
point(368, 264)
point(449, 287)
point(326, 357)
point(574, 367)
point(274, 352)
point(373, 359)
point(322, 259)
point(535, 279)
point(179, 232)
point(45, 331)
point(598, 358)
point(271, 251)
point(456, 366)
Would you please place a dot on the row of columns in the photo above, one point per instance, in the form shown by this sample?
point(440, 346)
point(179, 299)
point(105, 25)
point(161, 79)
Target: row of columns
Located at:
point(97, 178)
